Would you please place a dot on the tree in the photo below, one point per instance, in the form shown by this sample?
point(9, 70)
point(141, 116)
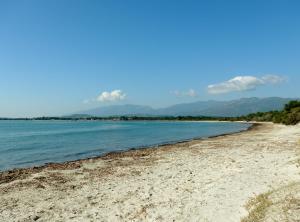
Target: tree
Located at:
point(291, 105)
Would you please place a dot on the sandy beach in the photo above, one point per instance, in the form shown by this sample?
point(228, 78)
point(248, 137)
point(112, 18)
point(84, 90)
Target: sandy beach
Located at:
point(247, 176)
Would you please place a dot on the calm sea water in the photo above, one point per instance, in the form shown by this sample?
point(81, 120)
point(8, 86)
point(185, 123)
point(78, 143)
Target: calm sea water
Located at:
point(31, 143)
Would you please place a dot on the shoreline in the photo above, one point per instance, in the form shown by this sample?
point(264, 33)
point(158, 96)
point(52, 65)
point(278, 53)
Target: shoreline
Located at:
point(203, 180)
point(60, 165)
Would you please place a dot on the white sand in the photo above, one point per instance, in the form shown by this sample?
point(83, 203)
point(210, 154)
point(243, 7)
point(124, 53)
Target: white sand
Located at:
point(208, 180)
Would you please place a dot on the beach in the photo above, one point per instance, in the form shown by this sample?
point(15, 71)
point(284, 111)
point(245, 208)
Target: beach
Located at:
point(250, 176)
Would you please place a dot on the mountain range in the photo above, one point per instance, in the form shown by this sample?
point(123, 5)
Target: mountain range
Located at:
point(231, 108)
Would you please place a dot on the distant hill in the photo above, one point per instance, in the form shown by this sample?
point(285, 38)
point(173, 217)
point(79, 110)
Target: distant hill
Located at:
point(187, 108)
point(231, 108)
point(246, 106)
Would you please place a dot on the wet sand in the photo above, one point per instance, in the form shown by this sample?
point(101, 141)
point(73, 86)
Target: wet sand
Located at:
point(200, 180)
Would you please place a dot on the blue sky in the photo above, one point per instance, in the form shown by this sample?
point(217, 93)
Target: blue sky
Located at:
point(59, 56)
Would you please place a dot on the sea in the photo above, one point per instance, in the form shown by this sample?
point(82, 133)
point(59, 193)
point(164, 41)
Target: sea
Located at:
point(36, 142)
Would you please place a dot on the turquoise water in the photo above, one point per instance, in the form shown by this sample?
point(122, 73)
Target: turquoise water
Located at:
point(31, 143)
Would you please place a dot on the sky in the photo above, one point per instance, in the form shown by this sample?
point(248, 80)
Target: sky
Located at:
point(58, 57)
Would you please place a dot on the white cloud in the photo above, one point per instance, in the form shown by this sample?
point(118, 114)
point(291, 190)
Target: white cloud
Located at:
point(273, 79)
point(243, 83)
point(115, 95)
point(189, 93)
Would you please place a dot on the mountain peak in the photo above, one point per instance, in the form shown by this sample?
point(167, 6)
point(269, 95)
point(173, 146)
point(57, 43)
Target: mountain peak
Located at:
point(230, 108)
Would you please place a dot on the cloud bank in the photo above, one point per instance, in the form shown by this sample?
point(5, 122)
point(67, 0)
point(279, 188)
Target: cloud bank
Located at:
point(243, 83)
point(115, 95)
point(189, 93)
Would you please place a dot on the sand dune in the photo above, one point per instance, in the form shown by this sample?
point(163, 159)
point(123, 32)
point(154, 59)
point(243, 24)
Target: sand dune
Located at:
point(217, 179)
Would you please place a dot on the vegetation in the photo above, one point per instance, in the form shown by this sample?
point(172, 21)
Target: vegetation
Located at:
point(282, 203)
point(257, 208)
point(290, 115)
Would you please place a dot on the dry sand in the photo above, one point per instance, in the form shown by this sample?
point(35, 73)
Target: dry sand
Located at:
point(217, 179)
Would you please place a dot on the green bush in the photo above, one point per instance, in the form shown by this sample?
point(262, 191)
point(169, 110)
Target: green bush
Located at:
point(291, 105)
point(289, 116)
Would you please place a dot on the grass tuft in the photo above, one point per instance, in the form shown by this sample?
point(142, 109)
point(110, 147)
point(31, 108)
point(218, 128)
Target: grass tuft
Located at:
point(257, 208)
